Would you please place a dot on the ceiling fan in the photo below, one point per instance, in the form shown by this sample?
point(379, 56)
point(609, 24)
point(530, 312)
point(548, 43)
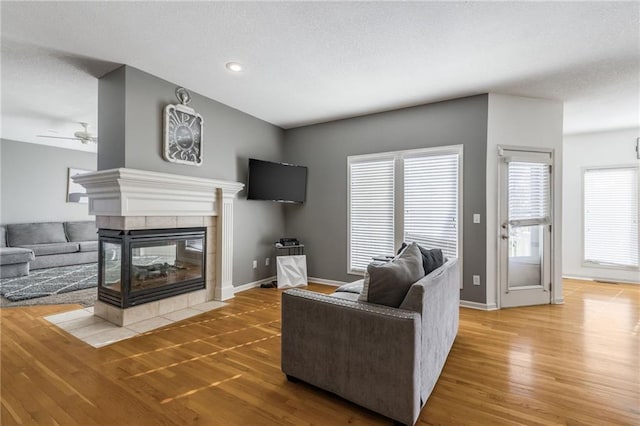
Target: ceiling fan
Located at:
point(83, 135)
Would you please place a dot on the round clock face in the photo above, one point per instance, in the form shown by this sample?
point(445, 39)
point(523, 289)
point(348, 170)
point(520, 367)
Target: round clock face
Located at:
point(183, 136)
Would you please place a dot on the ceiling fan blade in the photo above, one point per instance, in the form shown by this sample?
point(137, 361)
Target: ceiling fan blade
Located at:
point(58, 137)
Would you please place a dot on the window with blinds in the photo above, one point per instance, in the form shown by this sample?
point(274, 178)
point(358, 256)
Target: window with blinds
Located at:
point(403, 196)
point(528, 193)
point(431, 202)
point(371, 212)
point(611, 216)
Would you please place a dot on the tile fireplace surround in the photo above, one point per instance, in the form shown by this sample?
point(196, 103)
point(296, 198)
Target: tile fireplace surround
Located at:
point(128, 199)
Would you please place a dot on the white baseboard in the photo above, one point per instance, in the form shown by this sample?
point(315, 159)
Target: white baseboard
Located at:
point(326, 282)
point(479, 306)
point(253, 284)
point(602, 280)
point(557, 301)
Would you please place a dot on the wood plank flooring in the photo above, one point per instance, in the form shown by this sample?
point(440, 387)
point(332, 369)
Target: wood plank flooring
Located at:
point(576, 363)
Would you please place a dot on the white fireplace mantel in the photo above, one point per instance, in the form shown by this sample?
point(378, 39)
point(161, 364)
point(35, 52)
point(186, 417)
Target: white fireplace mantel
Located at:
point(128, 193)
point(131, 192)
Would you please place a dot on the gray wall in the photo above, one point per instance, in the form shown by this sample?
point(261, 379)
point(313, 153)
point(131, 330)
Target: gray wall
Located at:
point(111, 119)
point(34, 182)
point(230, 138)
point(321, 223)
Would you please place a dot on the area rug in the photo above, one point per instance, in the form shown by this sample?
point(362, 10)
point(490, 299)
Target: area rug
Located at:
point(50, 282)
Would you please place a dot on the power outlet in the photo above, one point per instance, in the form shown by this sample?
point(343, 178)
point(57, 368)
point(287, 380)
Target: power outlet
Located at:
point(476, 280)
point(476, 218)
point(255, 264)
point(267, 261)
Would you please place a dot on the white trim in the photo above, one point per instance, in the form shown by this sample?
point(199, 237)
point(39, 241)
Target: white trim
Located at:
point(131, 192)
point(326, 282)
point(224, 247)
point(600, 279)
point(479, 306)
point(596, 265)
point(253, 284)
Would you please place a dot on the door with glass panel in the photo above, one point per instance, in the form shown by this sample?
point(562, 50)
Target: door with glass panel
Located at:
point(525, 227)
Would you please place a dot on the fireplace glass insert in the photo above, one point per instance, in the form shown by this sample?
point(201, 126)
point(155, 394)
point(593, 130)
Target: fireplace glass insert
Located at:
point(142, 266)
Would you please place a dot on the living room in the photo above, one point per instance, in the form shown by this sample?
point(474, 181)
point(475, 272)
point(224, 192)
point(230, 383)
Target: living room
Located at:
point(368, 92)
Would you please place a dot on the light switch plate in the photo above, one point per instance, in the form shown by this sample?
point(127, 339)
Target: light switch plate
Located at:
point(476, 218)
point(476, 280)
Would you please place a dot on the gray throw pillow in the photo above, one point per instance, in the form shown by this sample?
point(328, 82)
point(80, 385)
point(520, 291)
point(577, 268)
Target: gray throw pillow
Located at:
point(432, 259)
point(388, 283)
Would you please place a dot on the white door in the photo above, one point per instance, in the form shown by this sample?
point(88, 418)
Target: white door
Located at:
point(525, 227)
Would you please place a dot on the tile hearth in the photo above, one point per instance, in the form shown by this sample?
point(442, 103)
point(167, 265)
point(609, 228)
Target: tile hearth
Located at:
point(97, 332)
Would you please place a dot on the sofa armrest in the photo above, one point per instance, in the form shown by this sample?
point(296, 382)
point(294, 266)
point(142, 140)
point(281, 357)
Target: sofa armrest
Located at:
point(437, 297)
point(366, 353)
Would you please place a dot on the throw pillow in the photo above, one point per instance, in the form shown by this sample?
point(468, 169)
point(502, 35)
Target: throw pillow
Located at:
point(432, 259)
point(388, 283)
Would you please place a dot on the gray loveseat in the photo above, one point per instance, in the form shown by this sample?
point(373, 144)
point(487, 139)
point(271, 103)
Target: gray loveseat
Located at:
point(385, 359)
point(28, 246)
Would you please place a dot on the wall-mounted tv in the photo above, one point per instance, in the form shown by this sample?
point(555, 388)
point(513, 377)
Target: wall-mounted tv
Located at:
point(281, 182)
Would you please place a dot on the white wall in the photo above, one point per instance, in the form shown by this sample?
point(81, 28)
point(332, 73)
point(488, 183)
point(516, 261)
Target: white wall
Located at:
point(34, 182)
point(527, 122)
point(587, 150)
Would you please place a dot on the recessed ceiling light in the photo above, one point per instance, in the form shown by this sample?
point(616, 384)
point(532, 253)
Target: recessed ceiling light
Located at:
point(234, 66)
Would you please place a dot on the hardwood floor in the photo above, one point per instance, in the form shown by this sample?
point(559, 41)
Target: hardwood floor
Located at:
point(575, 363)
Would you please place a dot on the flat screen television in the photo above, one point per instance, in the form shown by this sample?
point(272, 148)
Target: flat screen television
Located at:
point(281, 182)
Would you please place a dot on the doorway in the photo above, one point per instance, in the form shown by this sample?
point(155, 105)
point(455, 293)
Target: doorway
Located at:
point(525, 197)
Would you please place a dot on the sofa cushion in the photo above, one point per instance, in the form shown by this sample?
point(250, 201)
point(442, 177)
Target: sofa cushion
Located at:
point(3, 236)
point(22, 234)
point(81, 231)
point(58, 248)
point(13, 255)
point(88, 245)
point(354, 287)
point(388, 283)
point(432, 259)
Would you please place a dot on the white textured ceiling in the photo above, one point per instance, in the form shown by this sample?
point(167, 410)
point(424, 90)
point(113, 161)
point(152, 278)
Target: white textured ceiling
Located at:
point(309, 62)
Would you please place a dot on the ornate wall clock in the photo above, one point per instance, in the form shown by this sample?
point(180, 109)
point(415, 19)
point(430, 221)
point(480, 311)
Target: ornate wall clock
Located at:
point(183, 130)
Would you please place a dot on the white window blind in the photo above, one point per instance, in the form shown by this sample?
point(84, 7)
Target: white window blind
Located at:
point(611, 216)
point(371, 211)
point(528, 193)
point(404, 196)
point(431, 202)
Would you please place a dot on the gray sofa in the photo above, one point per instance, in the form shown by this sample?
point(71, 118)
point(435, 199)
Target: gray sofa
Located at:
point(28, 246)
point(385, 359)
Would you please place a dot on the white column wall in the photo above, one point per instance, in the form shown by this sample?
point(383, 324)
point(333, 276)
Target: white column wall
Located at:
point(527, 122)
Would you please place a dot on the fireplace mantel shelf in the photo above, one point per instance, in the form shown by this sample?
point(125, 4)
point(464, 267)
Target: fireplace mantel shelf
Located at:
point(131, 192)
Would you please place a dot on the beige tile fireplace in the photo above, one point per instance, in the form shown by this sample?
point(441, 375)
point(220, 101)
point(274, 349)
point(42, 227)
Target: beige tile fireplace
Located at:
point(129, 199)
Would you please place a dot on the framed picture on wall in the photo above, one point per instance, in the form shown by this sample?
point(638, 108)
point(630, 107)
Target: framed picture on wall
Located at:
point(76, 193)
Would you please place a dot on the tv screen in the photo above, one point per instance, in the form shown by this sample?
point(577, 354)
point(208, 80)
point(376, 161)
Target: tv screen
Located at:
point(281, 182)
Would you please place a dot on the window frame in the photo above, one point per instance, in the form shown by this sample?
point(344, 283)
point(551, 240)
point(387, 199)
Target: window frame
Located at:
point(398, 225)
point(597, 265)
